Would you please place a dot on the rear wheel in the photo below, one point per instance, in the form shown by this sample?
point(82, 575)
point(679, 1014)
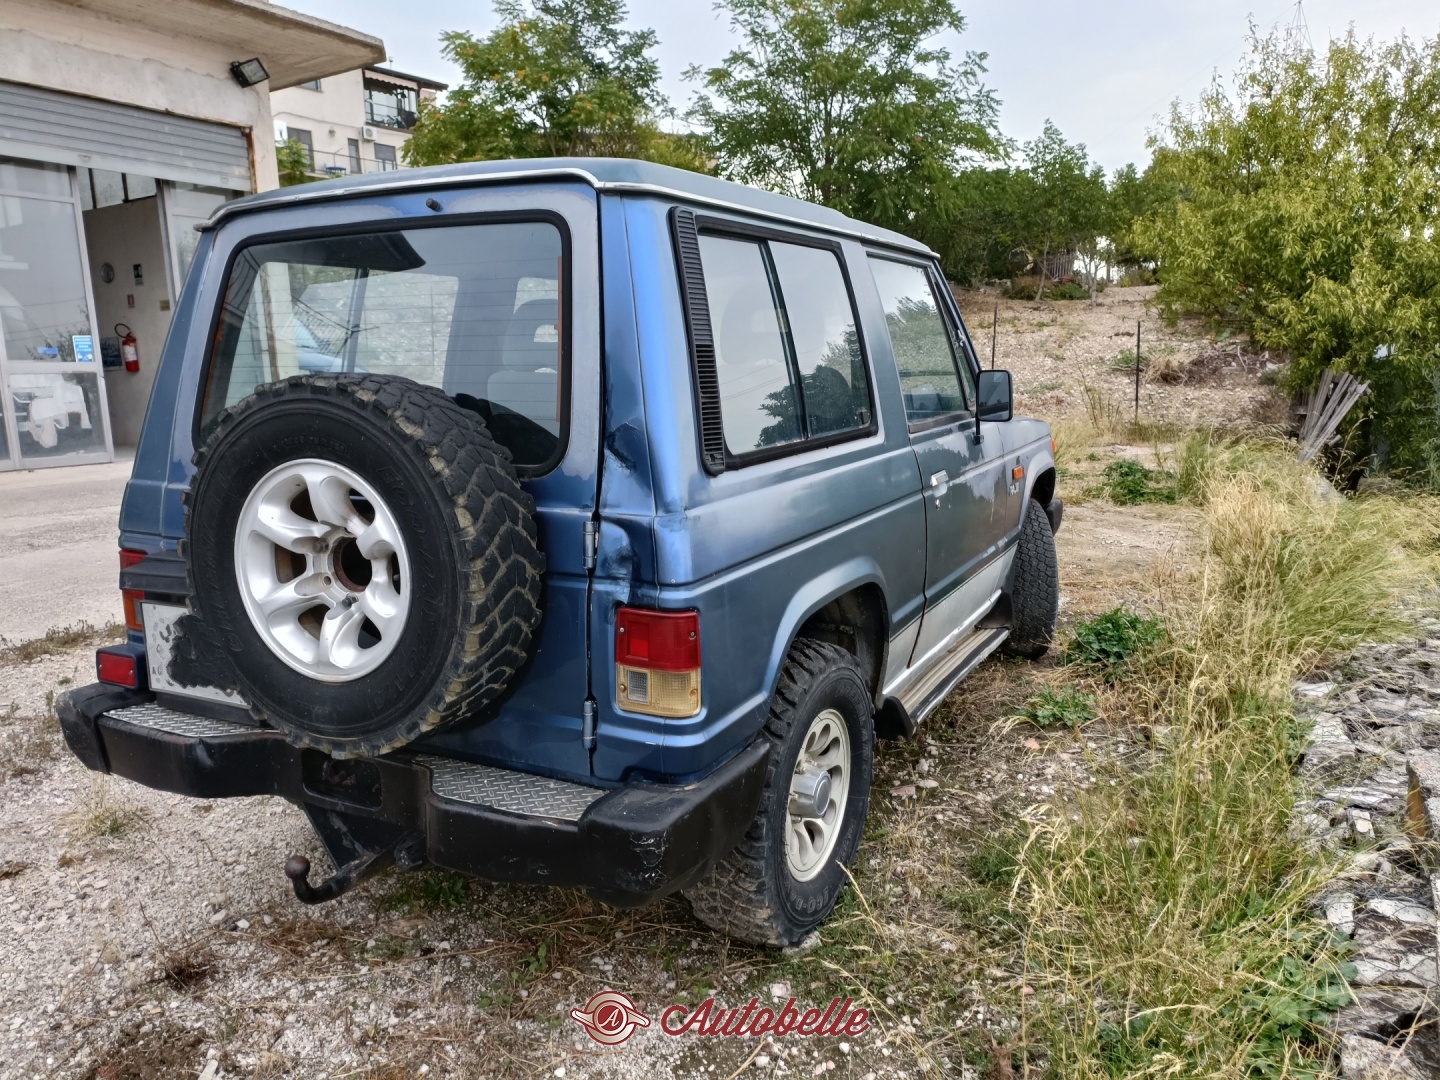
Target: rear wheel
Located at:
point(787, 873)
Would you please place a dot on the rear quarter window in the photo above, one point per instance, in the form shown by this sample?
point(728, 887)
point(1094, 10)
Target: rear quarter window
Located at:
point(477, 310)
point(787, 355)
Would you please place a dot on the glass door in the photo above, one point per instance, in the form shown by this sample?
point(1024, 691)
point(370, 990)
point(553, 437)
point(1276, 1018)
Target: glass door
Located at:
point(52, 389)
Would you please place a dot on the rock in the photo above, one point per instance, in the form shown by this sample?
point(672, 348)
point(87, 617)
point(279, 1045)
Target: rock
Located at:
point(1384, 1012)
point(1405, 911)
point(1368, 1059)
point(1323, 490)
point(1422, 816)
point(1361, 824)
point(1340, 912)
point(1330, 744)
point(1392, 953)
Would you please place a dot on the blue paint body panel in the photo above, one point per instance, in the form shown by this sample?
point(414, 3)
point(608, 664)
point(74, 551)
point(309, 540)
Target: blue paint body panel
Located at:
point(755, 550)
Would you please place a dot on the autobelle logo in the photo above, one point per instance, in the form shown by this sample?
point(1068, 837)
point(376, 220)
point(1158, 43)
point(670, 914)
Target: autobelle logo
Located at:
point(610, 1018)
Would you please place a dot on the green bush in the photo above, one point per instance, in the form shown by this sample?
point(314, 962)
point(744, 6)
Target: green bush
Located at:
point(1303, 216)
point(1126, 483)
point(1108, 641)
point(1068, 707)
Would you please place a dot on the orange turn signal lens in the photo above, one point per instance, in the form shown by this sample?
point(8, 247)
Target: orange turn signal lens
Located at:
point(130, 598)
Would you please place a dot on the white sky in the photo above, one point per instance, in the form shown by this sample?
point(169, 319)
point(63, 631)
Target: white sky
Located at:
point(1103, 71)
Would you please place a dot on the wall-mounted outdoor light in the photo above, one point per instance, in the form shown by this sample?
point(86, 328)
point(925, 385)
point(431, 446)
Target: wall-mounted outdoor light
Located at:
point(249, 72)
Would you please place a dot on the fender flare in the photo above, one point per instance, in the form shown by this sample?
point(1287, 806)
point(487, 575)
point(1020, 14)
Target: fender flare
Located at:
point(814, 595)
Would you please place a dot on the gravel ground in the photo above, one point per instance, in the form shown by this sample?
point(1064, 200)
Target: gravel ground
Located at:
point(144, 935)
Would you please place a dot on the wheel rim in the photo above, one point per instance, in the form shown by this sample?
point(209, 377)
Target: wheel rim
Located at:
point(322, 570)
point(810, 838)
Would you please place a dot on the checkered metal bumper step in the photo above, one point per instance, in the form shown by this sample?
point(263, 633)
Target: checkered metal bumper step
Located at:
point(177, 723)
point(460, 781)
point(513, 792)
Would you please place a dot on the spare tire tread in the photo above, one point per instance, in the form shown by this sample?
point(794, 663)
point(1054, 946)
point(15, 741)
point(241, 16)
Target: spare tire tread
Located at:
point(501, 565)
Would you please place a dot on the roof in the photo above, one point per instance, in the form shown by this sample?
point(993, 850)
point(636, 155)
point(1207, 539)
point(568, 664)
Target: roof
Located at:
point(294, 47)
point(603, 174)
point(418, 80)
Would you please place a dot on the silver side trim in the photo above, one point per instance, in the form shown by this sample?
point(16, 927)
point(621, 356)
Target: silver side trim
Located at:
point(619, 187)
point(921, 698)
point(512, 792)
point(899, 686)
point(160, 718)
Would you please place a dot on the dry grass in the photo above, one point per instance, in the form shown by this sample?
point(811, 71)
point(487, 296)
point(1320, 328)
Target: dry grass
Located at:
point(60, 640)
point(104, 813)
point(1165, 907)
point(27, 744)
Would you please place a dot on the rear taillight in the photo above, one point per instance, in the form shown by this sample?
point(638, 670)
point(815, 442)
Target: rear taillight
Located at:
point(118, 667)
point(130, 598)
point(657, 662)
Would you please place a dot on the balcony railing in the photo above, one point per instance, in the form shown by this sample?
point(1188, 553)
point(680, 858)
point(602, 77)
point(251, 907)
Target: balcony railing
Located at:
point(388, 114)
point(339, 163)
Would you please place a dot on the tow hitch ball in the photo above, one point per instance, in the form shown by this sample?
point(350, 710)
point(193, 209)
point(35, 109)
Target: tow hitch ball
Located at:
point(408, 853)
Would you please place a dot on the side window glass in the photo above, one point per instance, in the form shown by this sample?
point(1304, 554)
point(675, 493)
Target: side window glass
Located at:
point(757, 395)
point(787, 354)
point(835, 393)
point(921, 341)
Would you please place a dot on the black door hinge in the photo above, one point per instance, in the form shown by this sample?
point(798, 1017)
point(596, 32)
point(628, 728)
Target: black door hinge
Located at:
point(592, 544)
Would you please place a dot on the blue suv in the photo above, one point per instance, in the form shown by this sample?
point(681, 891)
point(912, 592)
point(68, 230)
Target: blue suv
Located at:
point(579, 522)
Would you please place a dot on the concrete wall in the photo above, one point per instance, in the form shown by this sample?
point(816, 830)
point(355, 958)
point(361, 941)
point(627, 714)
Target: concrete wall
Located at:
point(65, 47)
point(123, 236)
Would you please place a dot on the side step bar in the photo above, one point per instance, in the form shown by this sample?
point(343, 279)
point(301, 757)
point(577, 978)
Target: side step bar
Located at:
point(920, 698)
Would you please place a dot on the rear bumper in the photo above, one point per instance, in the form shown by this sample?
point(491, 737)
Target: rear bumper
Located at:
point(626, 846)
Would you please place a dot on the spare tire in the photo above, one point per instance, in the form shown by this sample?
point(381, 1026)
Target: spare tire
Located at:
point(363, 562)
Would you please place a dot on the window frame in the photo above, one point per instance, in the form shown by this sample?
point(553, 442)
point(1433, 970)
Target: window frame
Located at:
point(954, 332)
point(732, 228)
point(503, 217)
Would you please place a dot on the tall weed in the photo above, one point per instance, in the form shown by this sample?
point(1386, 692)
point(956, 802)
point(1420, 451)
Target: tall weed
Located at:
point(1168, 931)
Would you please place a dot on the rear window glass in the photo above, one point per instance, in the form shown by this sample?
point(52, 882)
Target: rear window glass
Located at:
point(472, 309)
point(786, 352)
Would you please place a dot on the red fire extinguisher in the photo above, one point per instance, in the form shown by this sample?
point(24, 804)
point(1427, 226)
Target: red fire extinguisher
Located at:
point(129, 349)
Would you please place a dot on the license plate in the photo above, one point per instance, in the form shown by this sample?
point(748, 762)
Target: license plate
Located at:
point(160, 633)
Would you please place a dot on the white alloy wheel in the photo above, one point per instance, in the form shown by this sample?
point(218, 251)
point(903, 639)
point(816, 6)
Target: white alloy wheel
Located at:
point(322, 570)
point(818, 791)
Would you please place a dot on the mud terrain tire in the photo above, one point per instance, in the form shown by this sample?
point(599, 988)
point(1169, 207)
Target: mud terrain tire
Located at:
point(751, 894)
point(470, 598)
point(1035, 595)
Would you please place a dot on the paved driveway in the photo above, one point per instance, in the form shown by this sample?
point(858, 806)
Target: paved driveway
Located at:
point(59, 561)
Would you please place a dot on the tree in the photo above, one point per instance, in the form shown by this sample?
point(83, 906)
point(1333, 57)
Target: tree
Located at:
point(556, 78)
point(1135, 195)
point(1067, 205)
point(847, 103)
point(1305, 216)
point(980, 238)
point(294, 163)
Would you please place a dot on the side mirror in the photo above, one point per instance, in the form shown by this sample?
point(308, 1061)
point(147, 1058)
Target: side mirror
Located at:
point(997, 400)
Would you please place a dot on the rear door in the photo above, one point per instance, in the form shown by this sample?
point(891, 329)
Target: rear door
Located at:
point(962, 477)
point(495, 299)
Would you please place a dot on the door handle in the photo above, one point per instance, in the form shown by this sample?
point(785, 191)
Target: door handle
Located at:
point(939, 484)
